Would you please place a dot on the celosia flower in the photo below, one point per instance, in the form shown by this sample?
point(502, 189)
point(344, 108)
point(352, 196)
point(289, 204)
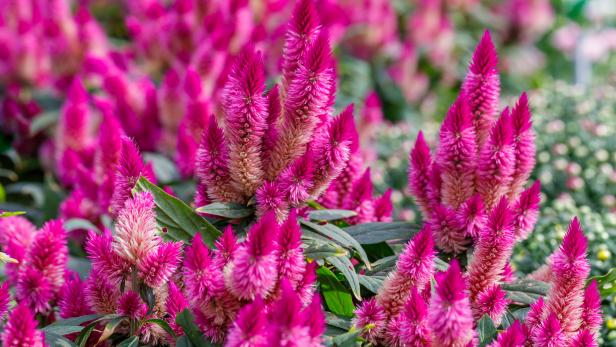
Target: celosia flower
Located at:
point(492, 251)
point(449, 314)
point(472, 216)
point(20, 329)
point(131, 305)
point(342, 185)
point(271, 198)
point(306, 288)
point(549, 333)
point(371, 319)
point(457, 154)
point(72, 302)
point(129, 168)
point(101, 293)
point(249, 327)
point(159, 265)
point(584, 338)
point(413, 270)
point(274, 110)
point(569, 271)
point(591, 309)
point(254, 271)
point(291, 264)
point(296, 181)
point(526, 211)
point(482, 85)
point(360, 200)
point(175, 303)
point(136, 232)
point(383, 207)
point(535, 314)
point(108, 157)
point(523, 145)
point(74, 118)
point(201, 278)
point(414, 325)
point(449, 235)
point(48, 253)
point(513, 336)
point(34, 289)
point(226, 246)
point(496, 162)
point(245, 121)
point(5, 298)
point(420, 164)
point(16, 229)
point(491, 301)
point(104, 258)
point(286, 324)
point(314, 318)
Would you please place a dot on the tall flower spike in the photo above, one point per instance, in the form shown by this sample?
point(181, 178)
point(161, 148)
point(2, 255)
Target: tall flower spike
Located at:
point(158, 266)
point(72, 301)
point(274, 110)
point(549, 333)
point(492, 251)
point(307, 97)
point(314, 318)
point(270, 197)
point(74, 117)
point(496, 162)
point(472, 216)
point(212, 168)
point(591, 309)
point(514, 336)
point(334, 150)
point(129, 169)
point(414, 327)
point(491, 301)
point(526, 211)
point(285, 319)
point(306, 287)
point(383, 207)
point(296, 180)
point(534, 317)
point(249, 327)
point(414, 268)
point(291, 264)
point(584, 338)
point(523, 145)
point(175, 303)
point(34, 289)
point(254, 270)
point(419, 174)
point(449, 235)
point(570, 268)
point(226, 245)
point(449, 314)
point(101, 294)
point(371, 319)
point(246, 121)
point(457, 154)
point(5, 299)
point(360, 199)
point(136, 232)
point(482, 85)
point(20, 330)
point(107, 159)
point(201, 280)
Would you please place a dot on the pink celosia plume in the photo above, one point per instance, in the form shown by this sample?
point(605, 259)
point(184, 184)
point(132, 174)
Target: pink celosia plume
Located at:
point(21, 329)
point(523, 145)
point(513, 336)
point(549, 333)
point(449, 235)
point(526, 210)
point(491, 301)
point(414, 325)
point(420, 164)
point(371, 318)
point(72, 301)
point(249, 327)
point(592, 316)
point(159, 265)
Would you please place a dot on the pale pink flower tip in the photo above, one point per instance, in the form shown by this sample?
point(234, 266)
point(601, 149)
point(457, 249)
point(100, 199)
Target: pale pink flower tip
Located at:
point(20, 329)
point(131, 305)
point(100, 252)
point(371, 318)
point(158, 266)
point(485, 58)
point(549, 333)
point(249, 326)
point(514, 336)
point(129, 169)
point(136, 232)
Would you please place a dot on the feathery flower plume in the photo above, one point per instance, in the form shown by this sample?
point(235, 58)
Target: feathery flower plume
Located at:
point(246, 121)
point(226, 245)
point(131, 305)
point(291, 264)
point(274, 111)
point(129, 168)
point(212, 168)
point(472, 216)
point(159, 265)
point(526, 211)
point(249, 327)
point(16, 229)
point(101, 293)
point(496, 161)
point(482, 85)
point(449, 314)
point(254, 271)
point(535, 314)
point(201, 279)
point(108, 157)
point(360, 199)
point(20, 329)
point(136, 231)
point(591, 309)
point(414, 325)
point(104, 258)
point(413, 270)
point(449, 235)
point(314, 318)
point(584, 338)
point(74, 118)
point(492, 251)
point(383, 207)
point(457, 153)
point(48, 253)
point(371, 319)
point(72, 301)
point(420, 164)
point(34, 289)
point(306, 288)
point(175, 303)
point(523, 145)
point(514, 336)
point(271, 198)
point(570, 268)
point(5, 299)
point(296, 181)
point(286, 324)
point(549, 333)
point(491, 301)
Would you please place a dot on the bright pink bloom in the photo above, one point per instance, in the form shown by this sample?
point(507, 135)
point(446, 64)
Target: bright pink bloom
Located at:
point(526, 211)
point(104, 258)
point(514, 336)
point(274, 110)
point(175, 303)
point(201, 278)
point(108, 157)
point(496, 162)
point(342, 185)
point(449, 235)
point(306, 287)
point(457, 154)
point(492, 252)
point(72, 301)
point(34, 289)
point(414, 326)
point(136, 233)
point(584, 338)
point(48, 253)
point(570, 268)
point(472, 216)
point(291, 264)
point(371, 318)
point(16, 229)
point(413, 270)
point(129, 168)
point(360, 200)
point(131, 305)
point(5, 299)
point(482, 85)
point(226, 246)
point(383, 207)
point(591, 309)
point(249, 327)
point(449, 314)
point(549, 333)
point(534, 317)
point(270, 197)
point(101, 293)
point(20, 329)
point(420, 164)
point(314, 318)
point(245, 121)
point(254, 270)
point(159, 265)
point(74, 118)
point(296, 180)
point(491, 301)
point(286, 324)
point(523, 145)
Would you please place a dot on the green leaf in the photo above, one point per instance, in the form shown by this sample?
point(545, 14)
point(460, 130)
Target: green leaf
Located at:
point(62, 329)
point(164, 169)
point(227, 210)
point(525, 291)
point(132, 341)
point(79, 223)
point(179, 220)
point(606, 283)
point(5, 214)
point(83, 337)
point(486, 330)
point(163, 324)
point(183, 341)
point(338, 322)
point(341, 237)
point(110, 327)
point(371, 233)
point(337, 298)
point(186, 320)
point(510, 317)
point(345, 266)
point(74, 321)
point(348, 339)
point(372, 283)
point(330, 215)
point(55, 340)
point(383, 265)
point(43, 121)
point(320, 250)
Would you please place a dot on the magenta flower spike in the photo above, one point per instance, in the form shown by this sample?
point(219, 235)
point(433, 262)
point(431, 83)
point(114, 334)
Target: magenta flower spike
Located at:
point(131, 305)
point(413, 270)
point(306, 288)
point(482, 85)
point(491, 301)
point(591, 309)
point(492, 252)
point(74, 118)
point(371, 318)
point(159, 265)
point(383, 207)
point(534, 317)
point(107, 158)
point(513, 336)
point(136, 232)
point(360, 199)
point(246, 121)
point(296, 180)
point(254, 271)
point(270, 197)
point(496, 162)
point(5, 299)
point(201, 279)
point(449, 235)
point(449, 314)
point(314, 318)
point(72, 302)
point(212, 168)
point(248, 330)
point(526, 211)
point(549, 333)
point(16, 229)
point(584, 338)
point(175, 303)
point(286, 323)
point(129, 169)
point(34, 289)
point(523, 145)
point(226, 246)
point(101, 293)
point(291, 264)
point(472, 216)
point(274, 111)
point(20, 329)
point(420, 164)
point(414, 325)
point(457, 154)
point(570, 269)
point(104, 258)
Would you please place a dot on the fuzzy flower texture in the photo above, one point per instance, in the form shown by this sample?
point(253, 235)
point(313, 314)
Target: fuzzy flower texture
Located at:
point(471, 194)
